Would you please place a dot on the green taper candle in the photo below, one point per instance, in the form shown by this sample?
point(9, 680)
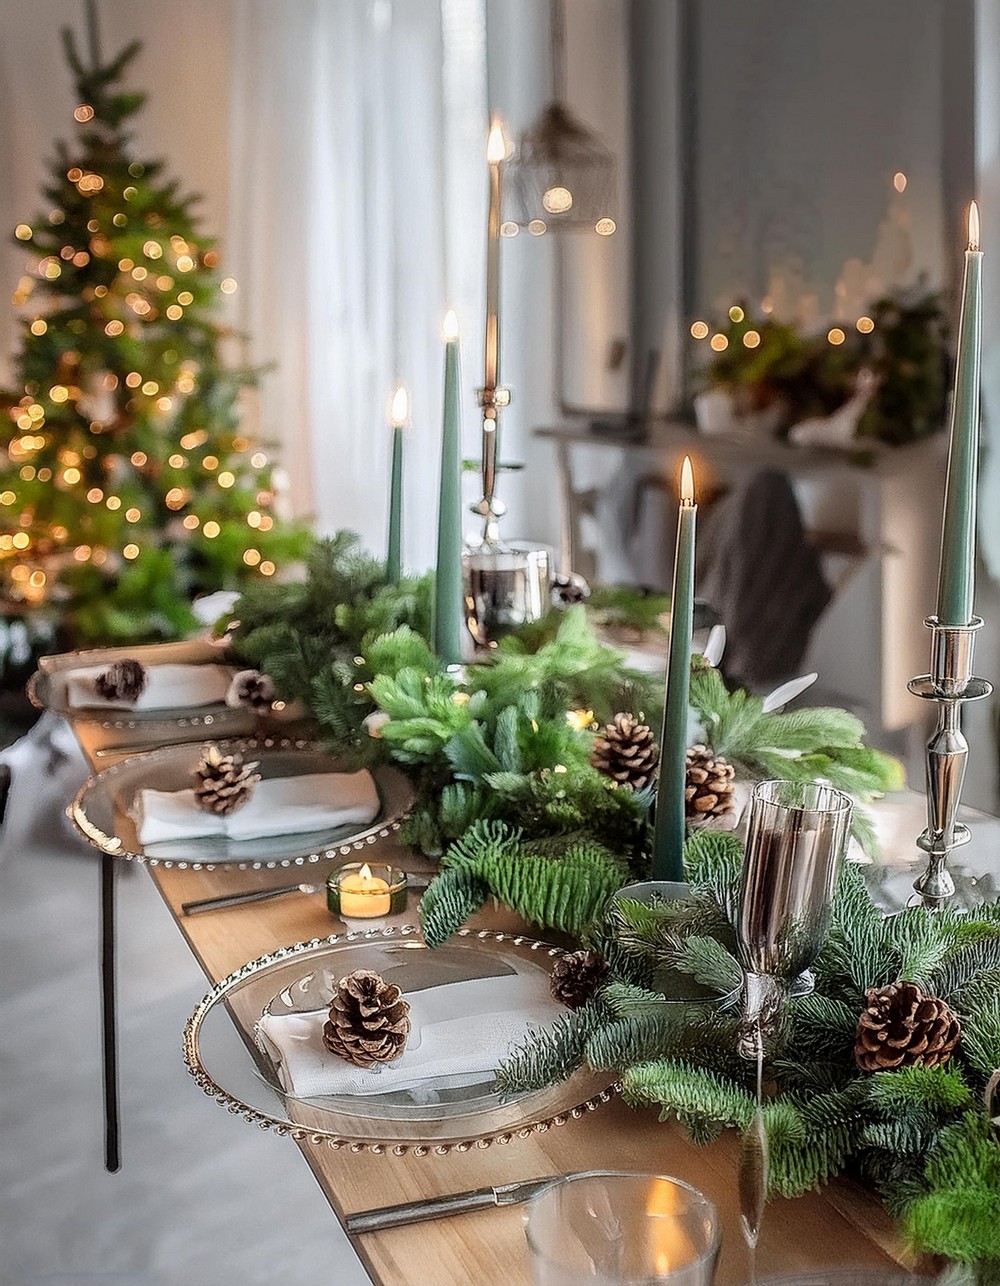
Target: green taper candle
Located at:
point(394, 545)
point(448, 614)
point(957, 575)
point(668, 833)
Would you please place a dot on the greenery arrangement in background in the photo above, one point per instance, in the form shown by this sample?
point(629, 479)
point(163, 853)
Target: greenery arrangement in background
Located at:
point(917, 1134)
point(128, 486)
point(806, 375)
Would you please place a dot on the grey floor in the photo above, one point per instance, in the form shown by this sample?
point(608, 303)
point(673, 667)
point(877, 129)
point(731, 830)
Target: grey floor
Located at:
point(202, 1199)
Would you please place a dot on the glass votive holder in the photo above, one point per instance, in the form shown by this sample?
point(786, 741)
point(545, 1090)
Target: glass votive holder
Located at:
point(366, 891)
point(604, 1228)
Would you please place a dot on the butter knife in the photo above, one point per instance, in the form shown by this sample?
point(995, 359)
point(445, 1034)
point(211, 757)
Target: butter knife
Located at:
point(458, 1203)
point(279, 891)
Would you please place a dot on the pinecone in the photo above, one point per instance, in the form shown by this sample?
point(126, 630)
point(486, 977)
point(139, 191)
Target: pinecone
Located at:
point(225, 783)
point(708, 785)
point(369, 1020)
point(252, 689)
point(625, 751)
point(568, 589)
point(903, 1027)
point(122, 681)
point(577, 977)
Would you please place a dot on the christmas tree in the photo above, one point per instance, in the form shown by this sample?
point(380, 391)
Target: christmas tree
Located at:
point(127, 486)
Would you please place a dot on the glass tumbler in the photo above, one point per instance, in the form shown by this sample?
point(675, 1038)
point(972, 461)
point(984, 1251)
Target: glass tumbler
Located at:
point(604, 1228)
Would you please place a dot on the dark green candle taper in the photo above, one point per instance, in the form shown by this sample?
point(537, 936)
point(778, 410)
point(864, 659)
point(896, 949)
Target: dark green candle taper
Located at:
point(448, 614)
point(668, 833)
point(956, 579)
point(394, 544)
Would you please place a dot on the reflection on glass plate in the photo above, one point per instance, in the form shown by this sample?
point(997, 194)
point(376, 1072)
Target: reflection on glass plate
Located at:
point(102, 811)
point(432, 1118)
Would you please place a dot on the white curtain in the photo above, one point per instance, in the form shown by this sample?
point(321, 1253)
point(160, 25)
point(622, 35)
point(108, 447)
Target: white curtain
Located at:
point(357, 208)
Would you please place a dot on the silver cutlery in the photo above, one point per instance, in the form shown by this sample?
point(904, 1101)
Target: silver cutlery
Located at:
point(279, 891)
point(458, 1203)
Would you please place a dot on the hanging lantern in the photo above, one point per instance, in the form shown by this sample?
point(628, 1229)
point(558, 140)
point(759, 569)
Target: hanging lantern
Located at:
point(561, 178)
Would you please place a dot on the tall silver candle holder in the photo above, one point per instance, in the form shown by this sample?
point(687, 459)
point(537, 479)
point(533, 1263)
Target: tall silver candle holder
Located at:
point(950, 684)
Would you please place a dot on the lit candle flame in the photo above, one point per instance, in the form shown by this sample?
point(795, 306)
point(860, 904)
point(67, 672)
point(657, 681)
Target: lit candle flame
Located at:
point(687, 482)
point(450, 326)
point(974, 226)
point(496, 145)
point(400, 410)
point(365, 873)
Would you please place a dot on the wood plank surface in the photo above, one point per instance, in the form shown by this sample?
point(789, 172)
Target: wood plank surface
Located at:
point(841, 1227)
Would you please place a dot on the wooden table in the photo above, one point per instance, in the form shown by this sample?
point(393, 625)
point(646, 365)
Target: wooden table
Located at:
point(842, 1226)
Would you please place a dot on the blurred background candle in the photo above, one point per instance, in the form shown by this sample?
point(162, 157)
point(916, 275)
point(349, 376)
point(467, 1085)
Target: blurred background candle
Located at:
point(398, 415)
point(957, 576)
point(668, 835)
point(448, 597)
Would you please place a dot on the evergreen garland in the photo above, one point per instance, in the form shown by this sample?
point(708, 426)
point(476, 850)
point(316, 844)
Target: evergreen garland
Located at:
point(918, 1135)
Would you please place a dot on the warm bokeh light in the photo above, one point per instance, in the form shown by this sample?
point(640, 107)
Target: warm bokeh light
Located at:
point(557, 200)
point(736, 313)
point(751, 339)
point(899, 181)
point(719, 343)
point(865, 325)
point(605, 227)
point(835, 335)
point(699, 330)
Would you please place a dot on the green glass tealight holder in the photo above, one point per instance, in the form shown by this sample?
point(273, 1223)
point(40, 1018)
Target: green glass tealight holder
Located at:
point(366, 891)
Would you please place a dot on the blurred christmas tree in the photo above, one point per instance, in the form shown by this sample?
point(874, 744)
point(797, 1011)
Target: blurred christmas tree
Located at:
point(127, 487)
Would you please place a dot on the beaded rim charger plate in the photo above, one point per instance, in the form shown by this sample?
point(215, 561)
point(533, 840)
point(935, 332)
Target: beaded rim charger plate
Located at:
point(102, 812)
point(47, 691)
point(432, 1119)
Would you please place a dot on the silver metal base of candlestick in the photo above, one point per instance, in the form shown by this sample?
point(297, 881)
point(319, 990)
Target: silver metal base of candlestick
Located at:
point(950, 684)
point(506, 586)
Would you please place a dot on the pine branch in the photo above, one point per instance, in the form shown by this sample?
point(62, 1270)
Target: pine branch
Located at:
point(450, 899)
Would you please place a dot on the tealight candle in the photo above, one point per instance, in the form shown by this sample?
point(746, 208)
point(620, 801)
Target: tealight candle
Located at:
point(360, 891)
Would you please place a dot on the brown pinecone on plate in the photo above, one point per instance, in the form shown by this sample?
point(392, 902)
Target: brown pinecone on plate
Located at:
point(708, 785)
point(626, 751)
point(253, 690)
point(903, 1027)
point(225, 783)
point(576, 978)
point(369, 1020)
point(123, 680)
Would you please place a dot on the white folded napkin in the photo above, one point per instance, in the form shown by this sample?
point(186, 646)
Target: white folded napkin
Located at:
point(279, 806)
point(459, 1032)
point(168, 687)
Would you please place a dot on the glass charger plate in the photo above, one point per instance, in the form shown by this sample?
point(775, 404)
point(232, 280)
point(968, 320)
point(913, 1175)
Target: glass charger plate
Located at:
point(48, 692)
point(101, 811)
point(434, 1119)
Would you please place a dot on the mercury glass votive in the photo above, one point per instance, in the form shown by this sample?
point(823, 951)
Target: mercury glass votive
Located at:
point(603, 1228)
point(366, 891)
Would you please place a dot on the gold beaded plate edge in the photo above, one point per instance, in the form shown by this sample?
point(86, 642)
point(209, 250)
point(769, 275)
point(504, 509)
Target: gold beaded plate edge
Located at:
point(219, 1047)
point(44, 692)
point(100, 811)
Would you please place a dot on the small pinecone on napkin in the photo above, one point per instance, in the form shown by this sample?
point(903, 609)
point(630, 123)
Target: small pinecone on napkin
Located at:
point(369, 1020)
point(625, 751)
point(708, 784)
point(576, 978)
point(252, 689)
point(903, 1027)
point(122, 681)
point(225, 783)
point(568, 589)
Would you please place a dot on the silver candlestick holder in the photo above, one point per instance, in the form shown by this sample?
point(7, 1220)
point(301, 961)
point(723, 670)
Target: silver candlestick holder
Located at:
point(951, 684)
